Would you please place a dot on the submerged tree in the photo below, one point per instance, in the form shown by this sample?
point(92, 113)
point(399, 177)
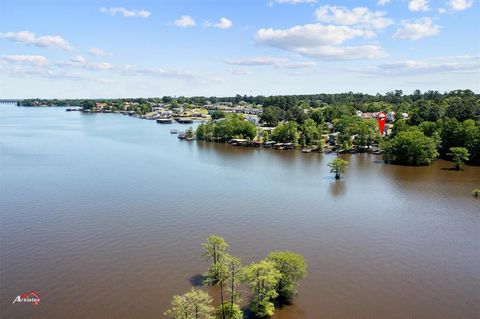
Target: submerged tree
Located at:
point(234, 275)
point(195, 304)
point(338, 166)
point(459, 155)
point(262, 278)
point(215, 250)
point(190, 133)
point(292, 267)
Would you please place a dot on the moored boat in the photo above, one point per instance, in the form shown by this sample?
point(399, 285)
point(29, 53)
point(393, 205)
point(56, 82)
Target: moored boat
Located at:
point(164, 121)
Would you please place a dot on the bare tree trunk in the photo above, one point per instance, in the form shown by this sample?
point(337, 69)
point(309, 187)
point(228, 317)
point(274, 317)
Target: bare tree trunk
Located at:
point(232, 291)
point(221, 299)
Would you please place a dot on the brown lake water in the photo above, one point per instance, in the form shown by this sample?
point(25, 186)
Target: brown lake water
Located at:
point(103, 215)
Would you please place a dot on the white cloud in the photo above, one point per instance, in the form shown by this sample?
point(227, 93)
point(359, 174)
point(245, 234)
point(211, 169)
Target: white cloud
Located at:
point(295, 1)
point(129, 70)
point(344, 53)
point(80, 62)
point(421, 28)
point(78, 59)
point(261, 60)
point(97, 52)
point(418, 5)
point(185, 22)
point(309, 35)
point(272, 61)
point(451, 64)
point(360, 16)
point(300, 65)
point(442, 10)
point(29, 38)
point(382, 2)
point(126, 13)
point(322, 41)
point(29, 59)
point(224, 23)
point(241, 72)
point(459, 5)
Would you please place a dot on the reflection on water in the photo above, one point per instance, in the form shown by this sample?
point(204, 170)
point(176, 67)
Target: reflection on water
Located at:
point(337, 188)
point(103, 215)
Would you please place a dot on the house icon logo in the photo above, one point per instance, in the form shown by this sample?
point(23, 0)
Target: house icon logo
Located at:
point(30, 297)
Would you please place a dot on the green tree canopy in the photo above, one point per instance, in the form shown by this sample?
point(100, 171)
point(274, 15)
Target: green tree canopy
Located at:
point(410, 147)
point(195, 304)
point(216, 248)
point(459, 155)
point(292, 267)
point(262, 278)
point(338, 166)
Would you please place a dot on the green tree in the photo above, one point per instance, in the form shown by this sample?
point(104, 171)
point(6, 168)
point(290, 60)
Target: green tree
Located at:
point(217, 114)
point(459, 155)
point(234, 277)
point(311, 133)
point(410, 147)
point(338, 166)
point(195, 304)
point(216, 248)
point(190, 133)
point(226, 310)
point(262, 278)
point(292, 267)
point(286, 132)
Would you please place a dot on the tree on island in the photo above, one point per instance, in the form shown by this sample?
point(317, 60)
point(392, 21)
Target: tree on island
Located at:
point(224, 271)
point(459, 155)
point(216, 248)
point(338, 166)
point(262, 278)
point(190, 133)
point(195, 304)
point(292, 267)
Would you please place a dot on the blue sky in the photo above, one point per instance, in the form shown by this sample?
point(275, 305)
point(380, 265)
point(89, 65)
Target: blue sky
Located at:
point(133, 48)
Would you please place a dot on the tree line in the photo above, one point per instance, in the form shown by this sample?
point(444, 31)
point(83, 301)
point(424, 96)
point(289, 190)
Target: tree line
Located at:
point(272, 282)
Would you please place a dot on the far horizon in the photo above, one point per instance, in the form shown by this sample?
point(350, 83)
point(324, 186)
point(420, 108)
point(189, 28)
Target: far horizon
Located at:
point(225, 96)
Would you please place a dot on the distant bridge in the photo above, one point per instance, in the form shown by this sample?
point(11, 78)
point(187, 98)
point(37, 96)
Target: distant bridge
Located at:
point(8, 102)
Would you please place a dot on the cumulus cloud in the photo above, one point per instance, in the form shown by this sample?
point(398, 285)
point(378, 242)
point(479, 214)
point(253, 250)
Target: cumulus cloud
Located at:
point(465, 63)
point(28, 59)
point(125, 12)
point(344, 53)
point(309, 35)
point(185, 22)
point(418, 5)
point(459, 5)
point(317, 40)
point(360, 16)
point(382, 2)
point(29, 38)
point(224, 23)
point(97, 52)
point(416, 30)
